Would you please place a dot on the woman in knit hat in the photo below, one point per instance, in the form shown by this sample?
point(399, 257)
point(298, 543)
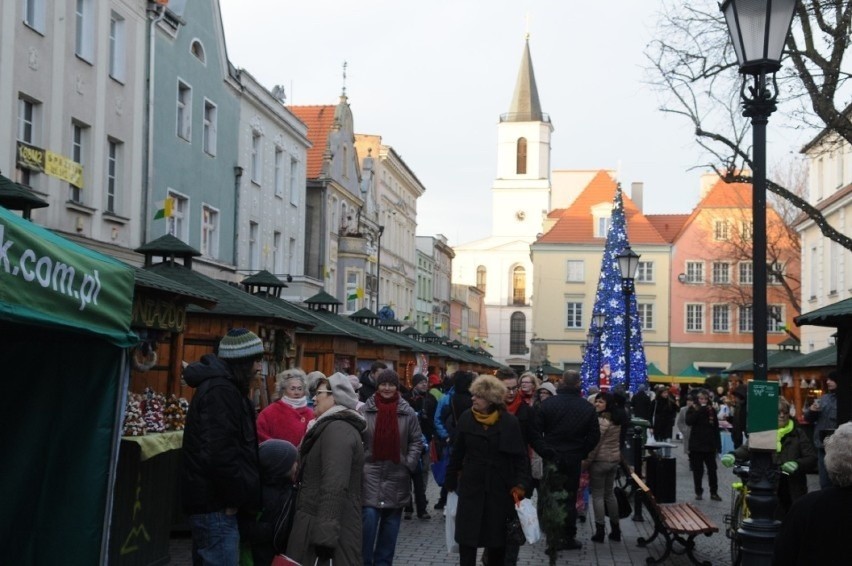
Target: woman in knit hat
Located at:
point(327, 525)
point(488, 468)
point(288, 417)
point(393, 447)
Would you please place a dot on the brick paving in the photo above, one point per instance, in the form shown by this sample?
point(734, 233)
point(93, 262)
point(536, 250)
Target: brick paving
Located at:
point(422, 543)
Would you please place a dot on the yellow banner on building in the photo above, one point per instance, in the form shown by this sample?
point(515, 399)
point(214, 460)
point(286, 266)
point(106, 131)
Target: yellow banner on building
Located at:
point(63, 168)
point(55, 165)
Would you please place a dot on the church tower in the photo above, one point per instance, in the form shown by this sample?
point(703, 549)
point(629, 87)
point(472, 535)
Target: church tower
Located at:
point(521, 191)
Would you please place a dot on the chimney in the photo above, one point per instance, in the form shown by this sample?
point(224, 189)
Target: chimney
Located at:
point(636, 194)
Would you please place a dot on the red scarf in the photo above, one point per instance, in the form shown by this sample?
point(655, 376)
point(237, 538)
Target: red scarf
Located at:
point(512, 407)
point(386, 436)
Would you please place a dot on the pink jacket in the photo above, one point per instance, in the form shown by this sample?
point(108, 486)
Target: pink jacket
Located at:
point(283, 422)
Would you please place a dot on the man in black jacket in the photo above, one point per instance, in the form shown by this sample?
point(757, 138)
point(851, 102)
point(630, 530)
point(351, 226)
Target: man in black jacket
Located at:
point(220, 473)
point(368, 381)
point(569, 430)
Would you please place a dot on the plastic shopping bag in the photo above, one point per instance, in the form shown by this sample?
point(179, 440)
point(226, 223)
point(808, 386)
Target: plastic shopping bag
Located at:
point(450, 523)
point(529, 520)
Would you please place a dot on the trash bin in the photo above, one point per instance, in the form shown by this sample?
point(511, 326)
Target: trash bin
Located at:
point(661, 478)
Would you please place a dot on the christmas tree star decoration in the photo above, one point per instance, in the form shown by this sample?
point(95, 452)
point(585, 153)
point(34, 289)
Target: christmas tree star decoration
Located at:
point(609, 350)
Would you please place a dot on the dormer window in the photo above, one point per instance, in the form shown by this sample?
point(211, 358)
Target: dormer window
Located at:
point(602, 218)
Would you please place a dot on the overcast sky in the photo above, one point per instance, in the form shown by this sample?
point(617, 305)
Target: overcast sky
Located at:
point(432, 78)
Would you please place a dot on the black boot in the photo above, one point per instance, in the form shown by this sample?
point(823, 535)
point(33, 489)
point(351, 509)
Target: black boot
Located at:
point(615, 533)
point(599, 532)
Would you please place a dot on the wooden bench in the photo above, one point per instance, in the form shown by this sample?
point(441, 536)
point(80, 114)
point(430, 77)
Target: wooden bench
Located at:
point(677, 523)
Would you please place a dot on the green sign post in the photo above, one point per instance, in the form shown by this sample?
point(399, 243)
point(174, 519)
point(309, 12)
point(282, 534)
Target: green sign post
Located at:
point(762, 422)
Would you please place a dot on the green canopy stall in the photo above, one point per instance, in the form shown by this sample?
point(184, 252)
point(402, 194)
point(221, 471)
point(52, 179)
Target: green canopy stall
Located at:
point(65, 316)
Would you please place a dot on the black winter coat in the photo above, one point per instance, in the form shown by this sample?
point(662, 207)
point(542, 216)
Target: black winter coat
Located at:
point(486, 463)
point(641, 405)
point(663, 412)
point(220, 459)
point(704, 434)
point(568, 427)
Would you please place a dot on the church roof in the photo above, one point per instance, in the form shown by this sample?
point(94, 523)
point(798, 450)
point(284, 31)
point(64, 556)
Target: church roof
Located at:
point(525, 105)
point(319, 120)
point(576, 224)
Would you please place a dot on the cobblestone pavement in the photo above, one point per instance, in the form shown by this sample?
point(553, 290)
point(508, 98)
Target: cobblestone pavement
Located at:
point(422, 543)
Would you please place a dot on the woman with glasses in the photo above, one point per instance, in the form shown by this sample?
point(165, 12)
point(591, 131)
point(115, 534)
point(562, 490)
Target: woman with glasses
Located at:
point(529, 383)
point(393, 444)
point(288, 417)
point(327, 524)
point(488, 467)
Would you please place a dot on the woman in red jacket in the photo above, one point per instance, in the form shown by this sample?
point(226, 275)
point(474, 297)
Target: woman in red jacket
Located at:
point(288, 417)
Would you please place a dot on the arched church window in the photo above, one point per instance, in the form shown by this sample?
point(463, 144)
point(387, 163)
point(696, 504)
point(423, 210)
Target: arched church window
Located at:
point(519, 286)
point(517, 334)
point(521, 167)
point(480, 278)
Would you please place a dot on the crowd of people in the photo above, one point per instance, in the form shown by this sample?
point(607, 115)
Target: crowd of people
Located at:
point(329, 470)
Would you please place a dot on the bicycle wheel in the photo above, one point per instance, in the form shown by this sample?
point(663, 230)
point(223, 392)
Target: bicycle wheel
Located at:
point(736, 521)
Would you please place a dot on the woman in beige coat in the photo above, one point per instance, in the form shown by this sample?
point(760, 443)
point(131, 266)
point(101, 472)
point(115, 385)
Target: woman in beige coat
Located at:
point(602, 463)
point(327, 524)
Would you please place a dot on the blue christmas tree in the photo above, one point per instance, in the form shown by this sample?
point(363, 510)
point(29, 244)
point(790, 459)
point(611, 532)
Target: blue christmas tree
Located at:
point(607, 355)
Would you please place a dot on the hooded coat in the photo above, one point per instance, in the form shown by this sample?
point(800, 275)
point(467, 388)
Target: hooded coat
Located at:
point(328, 508)
point(387, 485)
point(485, 464)
point(220, 459)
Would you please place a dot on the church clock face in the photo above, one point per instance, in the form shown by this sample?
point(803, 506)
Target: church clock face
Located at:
point(520, 215)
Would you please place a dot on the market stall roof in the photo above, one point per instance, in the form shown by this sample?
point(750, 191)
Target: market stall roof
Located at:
point(167, 246)
point(322, 298)
point(15, 196)
point(835, 315)
point(49, 281)
point(231, 301)
point(263, 278)
point(826, 357)
point(774, 360)
point(549, 369)
point(653, 370)
point(328, 326)
point(150, 280)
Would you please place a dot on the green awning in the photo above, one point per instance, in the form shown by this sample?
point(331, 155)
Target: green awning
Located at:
point(834, 315)
point(653, 370)
point(826, 357)
point(50, 281)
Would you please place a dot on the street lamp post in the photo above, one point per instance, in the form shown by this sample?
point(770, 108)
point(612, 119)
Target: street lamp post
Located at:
point(628, 263)
point(758, 30)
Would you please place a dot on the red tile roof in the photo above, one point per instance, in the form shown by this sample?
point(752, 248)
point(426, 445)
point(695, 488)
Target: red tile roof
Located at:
point(576, 224)
point(668, 225)
point(319, 120)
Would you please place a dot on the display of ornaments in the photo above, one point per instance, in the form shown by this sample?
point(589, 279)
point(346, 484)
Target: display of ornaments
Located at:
point(134, 421)
point(153, 411)
point(174, 412)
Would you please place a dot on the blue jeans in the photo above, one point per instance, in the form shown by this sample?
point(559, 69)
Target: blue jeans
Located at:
point(215, 539)
point(381, 526)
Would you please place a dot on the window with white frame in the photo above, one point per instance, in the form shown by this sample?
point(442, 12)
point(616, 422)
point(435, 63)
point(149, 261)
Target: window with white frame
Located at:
point(646, 315)
point(277, 253)
point(645, 272)
point(79, 142)
point(775, 321)
point(178, 222)
point(774, 273)
point(211, 119)
point(721, 273)
point(747, 230)
point(34, 14)
point(720, 230)
point(184, 110)
point(833, 267)
point(113, 174)
point(695, 272)
point(576, 271)
point(84, 21)
point(353, 282)
point(209, 231)
point(279, 172)
point(254, 246)
point(746, 269)
point(294, 181)
point(746, 324)
point(117, 47)
point(256, 161)
point(29, 131)
point(603, 226)
point(574, 314)
point(721, 318)
point(694, 317)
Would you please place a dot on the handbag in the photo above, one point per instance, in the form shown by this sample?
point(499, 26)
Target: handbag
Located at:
point(624, 509)
point(528, 516)
point(439, 463)
point(514, 530)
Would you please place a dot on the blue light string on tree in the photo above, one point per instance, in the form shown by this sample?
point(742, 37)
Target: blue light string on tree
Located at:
point(609, 299)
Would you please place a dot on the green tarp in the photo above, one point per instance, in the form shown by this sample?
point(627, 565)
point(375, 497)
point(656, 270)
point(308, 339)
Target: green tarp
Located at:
point(48, 280)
